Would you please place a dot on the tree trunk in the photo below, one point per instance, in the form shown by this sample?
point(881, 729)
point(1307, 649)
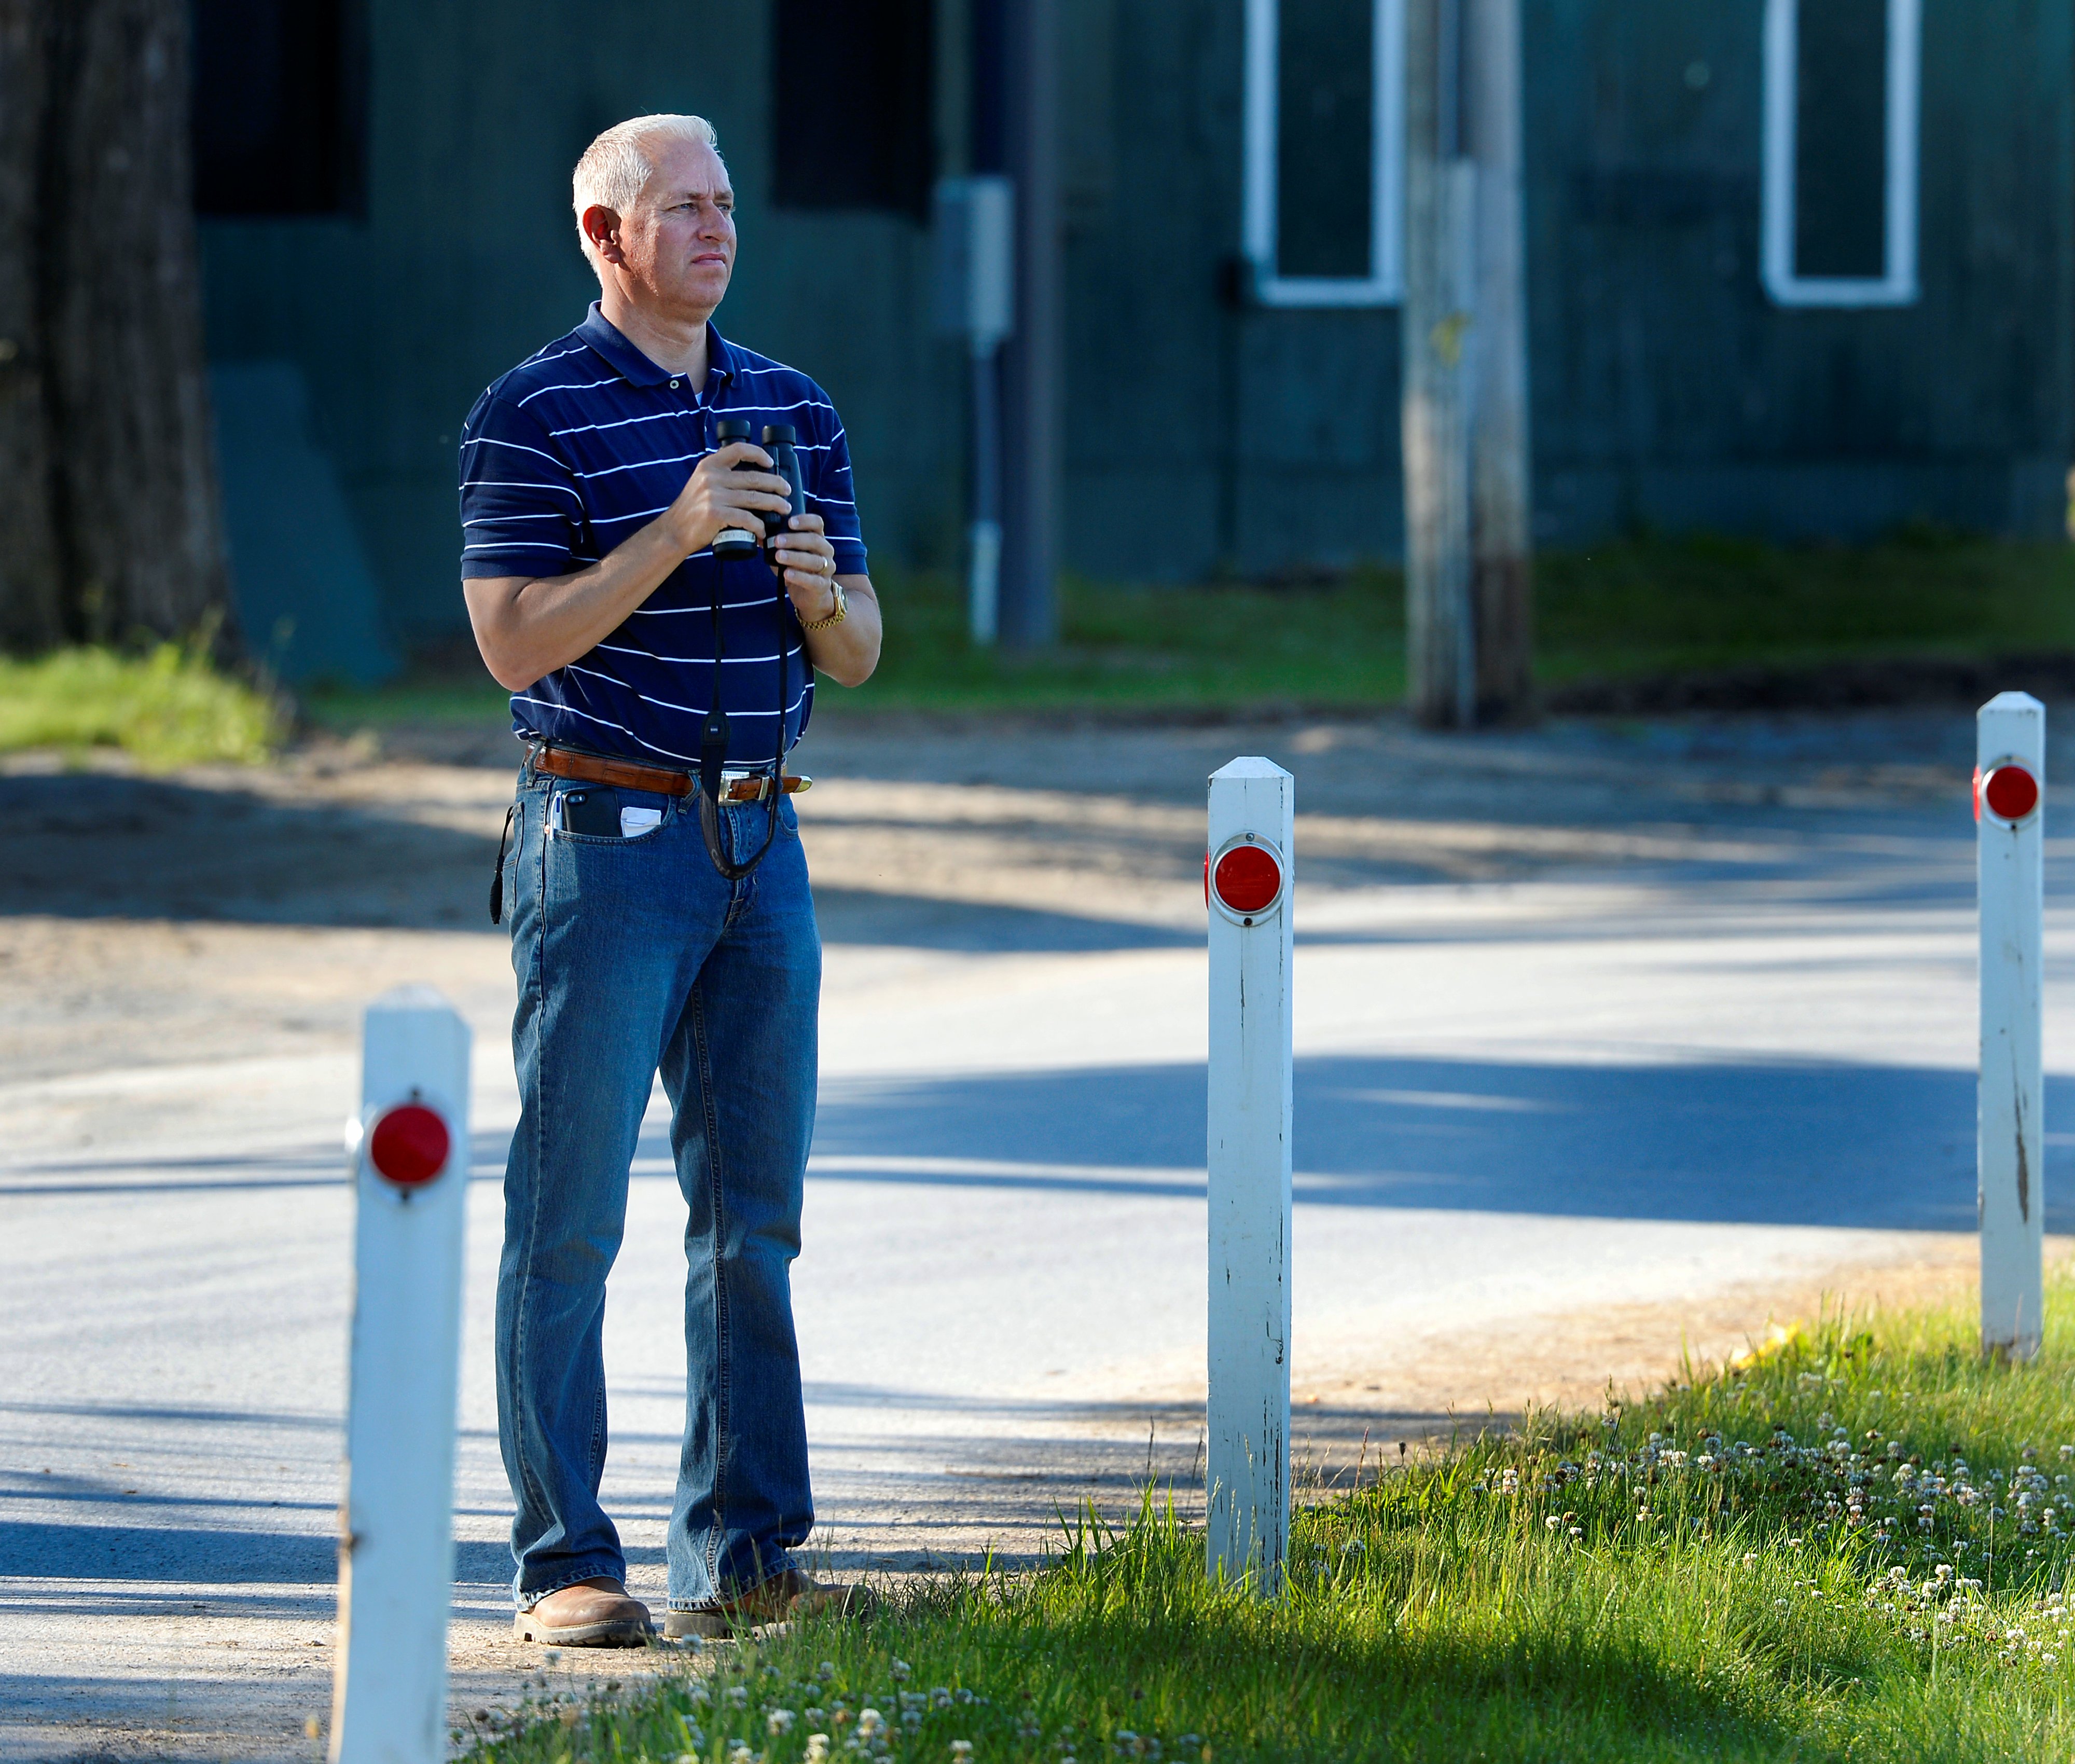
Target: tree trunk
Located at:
point(136, 501)
point(31, 576)
point(109, 525)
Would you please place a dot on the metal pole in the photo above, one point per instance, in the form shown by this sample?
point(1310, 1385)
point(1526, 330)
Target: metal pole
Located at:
point(1033, 359)
point(1501, 489)
point(1248, 878)
point(1439, 348)
point(408, 1150)
point(983, 542)
point(2010, 787)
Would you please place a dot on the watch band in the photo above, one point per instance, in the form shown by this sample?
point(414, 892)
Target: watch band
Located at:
point(836, 618)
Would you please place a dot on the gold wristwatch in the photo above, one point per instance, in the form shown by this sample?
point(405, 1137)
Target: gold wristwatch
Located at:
point(835, 618)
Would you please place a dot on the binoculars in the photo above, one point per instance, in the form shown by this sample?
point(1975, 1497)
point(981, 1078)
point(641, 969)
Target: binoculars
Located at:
point(780, 441)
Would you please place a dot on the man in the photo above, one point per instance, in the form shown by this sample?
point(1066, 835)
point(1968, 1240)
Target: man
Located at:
point(645, 935)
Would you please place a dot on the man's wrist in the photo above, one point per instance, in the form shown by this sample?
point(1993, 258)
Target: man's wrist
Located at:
point(839, 609)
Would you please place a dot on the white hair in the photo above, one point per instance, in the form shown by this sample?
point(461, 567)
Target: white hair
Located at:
point(614, 169)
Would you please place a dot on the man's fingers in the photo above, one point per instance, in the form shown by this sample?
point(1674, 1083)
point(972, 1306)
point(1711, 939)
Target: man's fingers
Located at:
point(740, 496)
point(738, 454)
point(767, 481)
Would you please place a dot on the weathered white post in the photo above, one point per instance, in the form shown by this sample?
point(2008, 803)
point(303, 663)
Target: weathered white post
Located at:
point(408, 1151)
point(2010, 787)
point(1247, 880)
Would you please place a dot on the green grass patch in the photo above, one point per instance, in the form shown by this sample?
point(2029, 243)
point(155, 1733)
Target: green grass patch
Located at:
point(1163, 647)
point(1661, 606)
point(169, 707)
point(1739, 1567)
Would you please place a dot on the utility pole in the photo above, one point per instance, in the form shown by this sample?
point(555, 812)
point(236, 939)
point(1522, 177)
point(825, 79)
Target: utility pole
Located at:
point(1016, 130)
point(1502, 496)
point(1465, 403)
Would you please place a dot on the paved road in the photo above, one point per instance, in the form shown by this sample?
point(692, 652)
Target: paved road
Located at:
point(1602, 1033)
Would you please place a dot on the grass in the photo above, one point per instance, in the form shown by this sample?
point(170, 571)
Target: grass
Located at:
point(1639, 606)
point(1652, 606)
point(1734, 1568)
point(168, 706)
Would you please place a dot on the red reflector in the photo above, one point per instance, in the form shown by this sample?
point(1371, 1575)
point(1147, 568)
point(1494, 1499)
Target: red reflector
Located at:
point(409, 1145)
point(1247, 878)
point(2010, 791)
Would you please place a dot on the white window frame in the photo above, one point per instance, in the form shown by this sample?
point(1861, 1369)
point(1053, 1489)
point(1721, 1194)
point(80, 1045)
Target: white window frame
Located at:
point(1897, 285)
point(1384, 284)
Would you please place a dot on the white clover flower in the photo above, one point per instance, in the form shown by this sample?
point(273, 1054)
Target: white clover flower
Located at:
point(869, 1721)
point(901, 1668)
point(817, 1748)
point(780, 1721)
point(961, 1750)
point(738, 1695)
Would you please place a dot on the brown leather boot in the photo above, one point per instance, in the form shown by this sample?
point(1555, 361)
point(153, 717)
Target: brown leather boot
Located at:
point(778, 1600)
point(591, 1614)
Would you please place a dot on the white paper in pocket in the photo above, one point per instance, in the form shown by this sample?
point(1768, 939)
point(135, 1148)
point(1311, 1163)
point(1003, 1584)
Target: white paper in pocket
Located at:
point(634, 821)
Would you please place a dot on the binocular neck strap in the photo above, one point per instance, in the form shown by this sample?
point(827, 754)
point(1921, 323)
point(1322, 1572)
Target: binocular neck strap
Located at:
point(712, 748)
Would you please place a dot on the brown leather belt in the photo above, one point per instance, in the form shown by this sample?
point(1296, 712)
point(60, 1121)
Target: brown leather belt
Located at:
point(593, 768)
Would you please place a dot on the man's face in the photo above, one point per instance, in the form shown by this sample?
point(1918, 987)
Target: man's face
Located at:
point(679, 241)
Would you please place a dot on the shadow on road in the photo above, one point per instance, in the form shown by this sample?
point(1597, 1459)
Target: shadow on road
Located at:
point(1808, 1143)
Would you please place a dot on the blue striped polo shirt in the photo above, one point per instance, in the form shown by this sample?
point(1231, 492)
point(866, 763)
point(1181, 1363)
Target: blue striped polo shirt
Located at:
point(573, 451)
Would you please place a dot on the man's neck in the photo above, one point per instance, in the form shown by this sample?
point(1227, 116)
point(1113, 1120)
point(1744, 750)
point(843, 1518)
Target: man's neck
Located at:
point(676, 345)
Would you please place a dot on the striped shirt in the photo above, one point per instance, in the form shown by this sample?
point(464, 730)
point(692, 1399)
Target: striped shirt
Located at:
point(575, 450)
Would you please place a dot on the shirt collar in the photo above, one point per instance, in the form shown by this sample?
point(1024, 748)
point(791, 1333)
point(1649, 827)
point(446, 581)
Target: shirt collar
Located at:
point(632, 366)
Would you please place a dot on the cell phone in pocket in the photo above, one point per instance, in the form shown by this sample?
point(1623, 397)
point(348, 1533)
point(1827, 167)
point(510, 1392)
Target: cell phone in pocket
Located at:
point(594, 811)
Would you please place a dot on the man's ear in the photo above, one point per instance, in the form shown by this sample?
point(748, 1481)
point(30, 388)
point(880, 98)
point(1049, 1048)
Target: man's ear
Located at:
point(601, 227)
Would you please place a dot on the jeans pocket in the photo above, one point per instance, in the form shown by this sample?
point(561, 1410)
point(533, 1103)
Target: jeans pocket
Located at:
point(642, 815)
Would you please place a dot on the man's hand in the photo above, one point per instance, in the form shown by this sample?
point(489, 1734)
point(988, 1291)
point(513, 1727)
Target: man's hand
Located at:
point(717, 495)
point(806, 564)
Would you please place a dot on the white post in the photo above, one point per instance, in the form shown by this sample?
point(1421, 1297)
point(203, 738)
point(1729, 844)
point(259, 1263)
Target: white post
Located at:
point(408, 1151)
point(1249, 879)
point(2010, 787)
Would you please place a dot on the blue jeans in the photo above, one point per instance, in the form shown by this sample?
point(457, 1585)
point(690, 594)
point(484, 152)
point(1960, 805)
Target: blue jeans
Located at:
point(634, 955)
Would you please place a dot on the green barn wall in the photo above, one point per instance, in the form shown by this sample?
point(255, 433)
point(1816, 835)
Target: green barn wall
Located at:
point(1669, 390)
point(466, 263)
point(1201, 436)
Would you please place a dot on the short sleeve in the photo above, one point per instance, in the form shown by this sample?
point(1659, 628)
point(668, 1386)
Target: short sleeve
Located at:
point(833, 495)
point(520, 511)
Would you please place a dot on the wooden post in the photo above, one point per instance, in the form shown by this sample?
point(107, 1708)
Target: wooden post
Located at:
point(2010, 788)
point(1502, 544)
point(1439, 344)
point(1248, 883)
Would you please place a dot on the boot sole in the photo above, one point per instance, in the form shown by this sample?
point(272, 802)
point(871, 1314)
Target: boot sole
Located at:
point(626, 1633)
point(704, 1625)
